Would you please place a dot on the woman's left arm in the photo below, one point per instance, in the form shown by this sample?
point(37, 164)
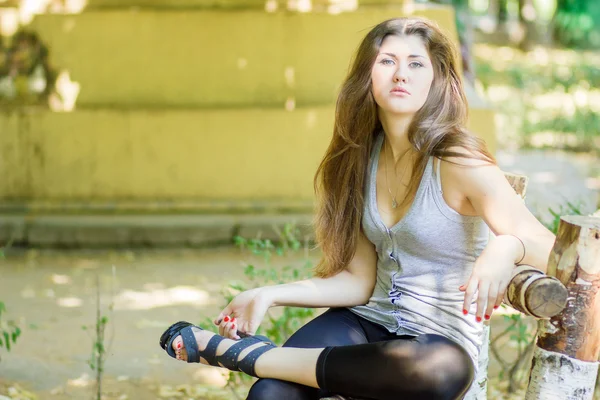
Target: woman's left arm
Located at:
point(520, 237)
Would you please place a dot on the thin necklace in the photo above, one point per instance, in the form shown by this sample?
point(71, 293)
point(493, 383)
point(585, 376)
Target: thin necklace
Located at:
point(393, 196)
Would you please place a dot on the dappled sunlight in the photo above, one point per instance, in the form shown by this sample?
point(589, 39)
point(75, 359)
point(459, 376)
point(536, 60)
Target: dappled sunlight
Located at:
point(500, 92)
point(290, 76)
point(212, 376)
point(69, 302)
point(67, 91)
point(311, 119)
point(145, 300)
point(302, 6)
point(9, 21)
point(544, 98)
point(592, 183)
point(340, 6)
point(544, 177)
point(553, 139)
point(242, 63)
point(28, 9)
point(271, 6)
point(60, 279)
point(290, 104)
point(503, 56)
point(83, 381)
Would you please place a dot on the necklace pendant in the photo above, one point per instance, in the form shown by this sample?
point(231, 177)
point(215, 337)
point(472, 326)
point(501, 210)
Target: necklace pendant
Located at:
point(394, 203)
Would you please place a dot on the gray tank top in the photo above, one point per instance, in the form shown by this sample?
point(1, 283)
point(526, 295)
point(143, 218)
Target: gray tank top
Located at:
point(421, 262)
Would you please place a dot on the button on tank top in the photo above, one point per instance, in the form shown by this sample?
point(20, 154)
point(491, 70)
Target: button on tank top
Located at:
point(421, 262)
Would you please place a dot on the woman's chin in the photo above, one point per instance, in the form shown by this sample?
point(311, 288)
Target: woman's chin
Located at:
point(399, 111)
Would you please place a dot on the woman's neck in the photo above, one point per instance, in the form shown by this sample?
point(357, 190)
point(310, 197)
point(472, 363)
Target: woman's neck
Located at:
point(396, 133)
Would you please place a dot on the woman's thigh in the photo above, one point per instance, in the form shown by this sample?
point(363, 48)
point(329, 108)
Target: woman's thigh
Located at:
point(335, 327)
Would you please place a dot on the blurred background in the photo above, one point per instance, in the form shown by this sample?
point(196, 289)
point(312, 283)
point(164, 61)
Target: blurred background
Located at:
point(157, 156)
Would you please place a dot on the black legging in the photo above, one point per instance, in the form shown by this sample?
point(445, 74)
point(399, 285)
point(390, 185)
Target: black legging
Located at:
point(363, 360)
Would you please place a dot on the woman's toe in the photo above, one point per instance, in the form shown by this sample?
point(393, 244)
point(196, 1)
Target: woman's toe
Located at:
point(178, 347)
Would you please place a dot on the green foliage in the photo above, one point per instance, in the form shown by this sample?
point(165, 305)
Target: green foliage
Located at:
point(276, 326)
point(570, 79)
point(576, 23)
point(567, 209)
point(99, 348)
point(9, 331)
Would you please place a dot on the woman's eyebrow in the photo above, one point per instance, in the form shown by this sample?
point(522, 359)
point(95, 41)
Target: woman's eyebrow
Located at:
point(411, 56)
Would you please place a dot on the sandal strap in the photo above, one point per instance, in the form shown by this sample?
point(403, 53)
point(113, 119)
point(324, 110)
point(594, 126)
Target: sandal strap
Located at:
point(229, 359)
point(248, 362)
point(166, 340)
point(191, 346)
point(211, 350)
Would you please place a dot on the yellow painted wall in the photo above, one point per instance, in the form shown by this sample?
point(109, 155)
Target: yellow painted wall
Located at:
point(102, 155)
point(105, 154)
point(14, 166)
point(210, 58)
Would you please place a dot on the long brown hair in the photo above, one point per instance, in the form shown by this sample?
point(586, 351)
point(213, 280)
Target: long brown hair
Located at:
point(434, 129)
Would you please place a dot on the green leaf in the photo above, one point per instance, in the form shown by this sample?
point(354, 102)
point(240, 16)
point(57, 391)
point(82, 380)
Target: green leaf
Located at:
point(16, 334)
point(6, 340)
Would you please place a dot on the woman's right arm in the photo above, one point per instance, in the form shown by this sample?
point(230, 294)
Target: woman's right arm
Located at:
point(353, 286)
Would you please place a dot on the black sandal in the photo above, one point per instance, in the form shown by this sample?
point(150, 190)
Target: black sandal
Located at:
point(229, 359)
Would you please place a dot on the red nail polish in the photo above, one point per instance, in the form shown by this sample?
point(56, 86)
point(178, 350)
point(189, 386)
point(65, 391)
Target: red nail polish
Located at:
point(496, 307)
point(178, 345)
point(465, 312)
point(226, 319)
point(478, 319)
point(233, 326)
point(232, 319)
point(487, 316)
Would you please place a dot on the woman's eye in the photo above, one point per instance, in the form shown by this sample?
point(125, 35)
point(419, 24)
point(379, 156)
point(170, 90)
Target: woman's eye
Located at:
point(387, 61)
point(416, 64)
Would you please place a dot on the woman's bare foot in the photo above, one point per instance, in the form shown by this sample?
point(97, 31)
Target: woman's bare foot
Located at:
point(202, 338)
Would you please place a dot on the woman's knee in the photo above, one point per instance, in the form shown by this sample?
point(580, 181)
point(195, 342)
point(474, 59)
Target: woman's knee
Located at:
point(273, 389)
point(449, 369)
point(436, 366)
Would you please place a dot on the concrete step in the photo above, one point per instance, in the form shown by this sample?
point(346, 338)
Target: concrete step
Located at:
point(72, 231)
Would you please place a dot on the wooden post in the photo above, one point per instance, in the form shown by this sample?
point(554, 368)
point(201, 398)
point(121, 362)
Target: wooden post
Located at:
point(565, 361)
point(534, 293)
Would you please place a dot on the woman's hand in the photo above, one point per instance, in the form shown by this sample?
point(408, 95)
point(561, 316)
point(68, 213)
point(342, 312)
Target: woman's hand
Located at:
point(244, 314)
point(491, 275)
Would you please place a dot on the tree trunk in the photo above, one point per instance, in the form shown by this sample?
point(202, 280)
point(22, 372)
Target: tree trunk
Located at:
point(527, 16)
point(502, 13)
point(565, 362)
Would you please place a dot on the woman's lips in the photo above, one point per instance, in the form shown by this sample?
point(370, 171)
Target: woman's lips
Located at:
point(400, 91)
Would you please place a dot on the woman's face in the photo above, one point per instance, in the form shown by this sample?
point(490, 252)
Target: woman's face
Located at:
point(402, 75)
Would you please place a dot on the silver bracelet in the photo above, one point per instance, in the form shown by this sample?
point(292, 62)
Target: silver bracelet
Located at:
point(524, 252)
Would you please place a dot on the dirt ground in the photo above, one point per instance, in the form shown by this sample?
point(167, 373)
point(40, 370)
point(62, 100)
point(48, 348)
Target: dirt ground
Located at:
point(52, 296)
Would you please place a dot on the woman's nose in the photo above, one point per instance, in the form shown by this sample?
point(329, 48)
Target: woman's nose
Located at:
point(400, 76)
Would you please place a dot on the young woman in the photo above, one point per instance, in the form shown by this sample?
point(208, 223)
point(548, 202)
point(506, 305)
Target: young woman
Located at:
point(407, 197)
